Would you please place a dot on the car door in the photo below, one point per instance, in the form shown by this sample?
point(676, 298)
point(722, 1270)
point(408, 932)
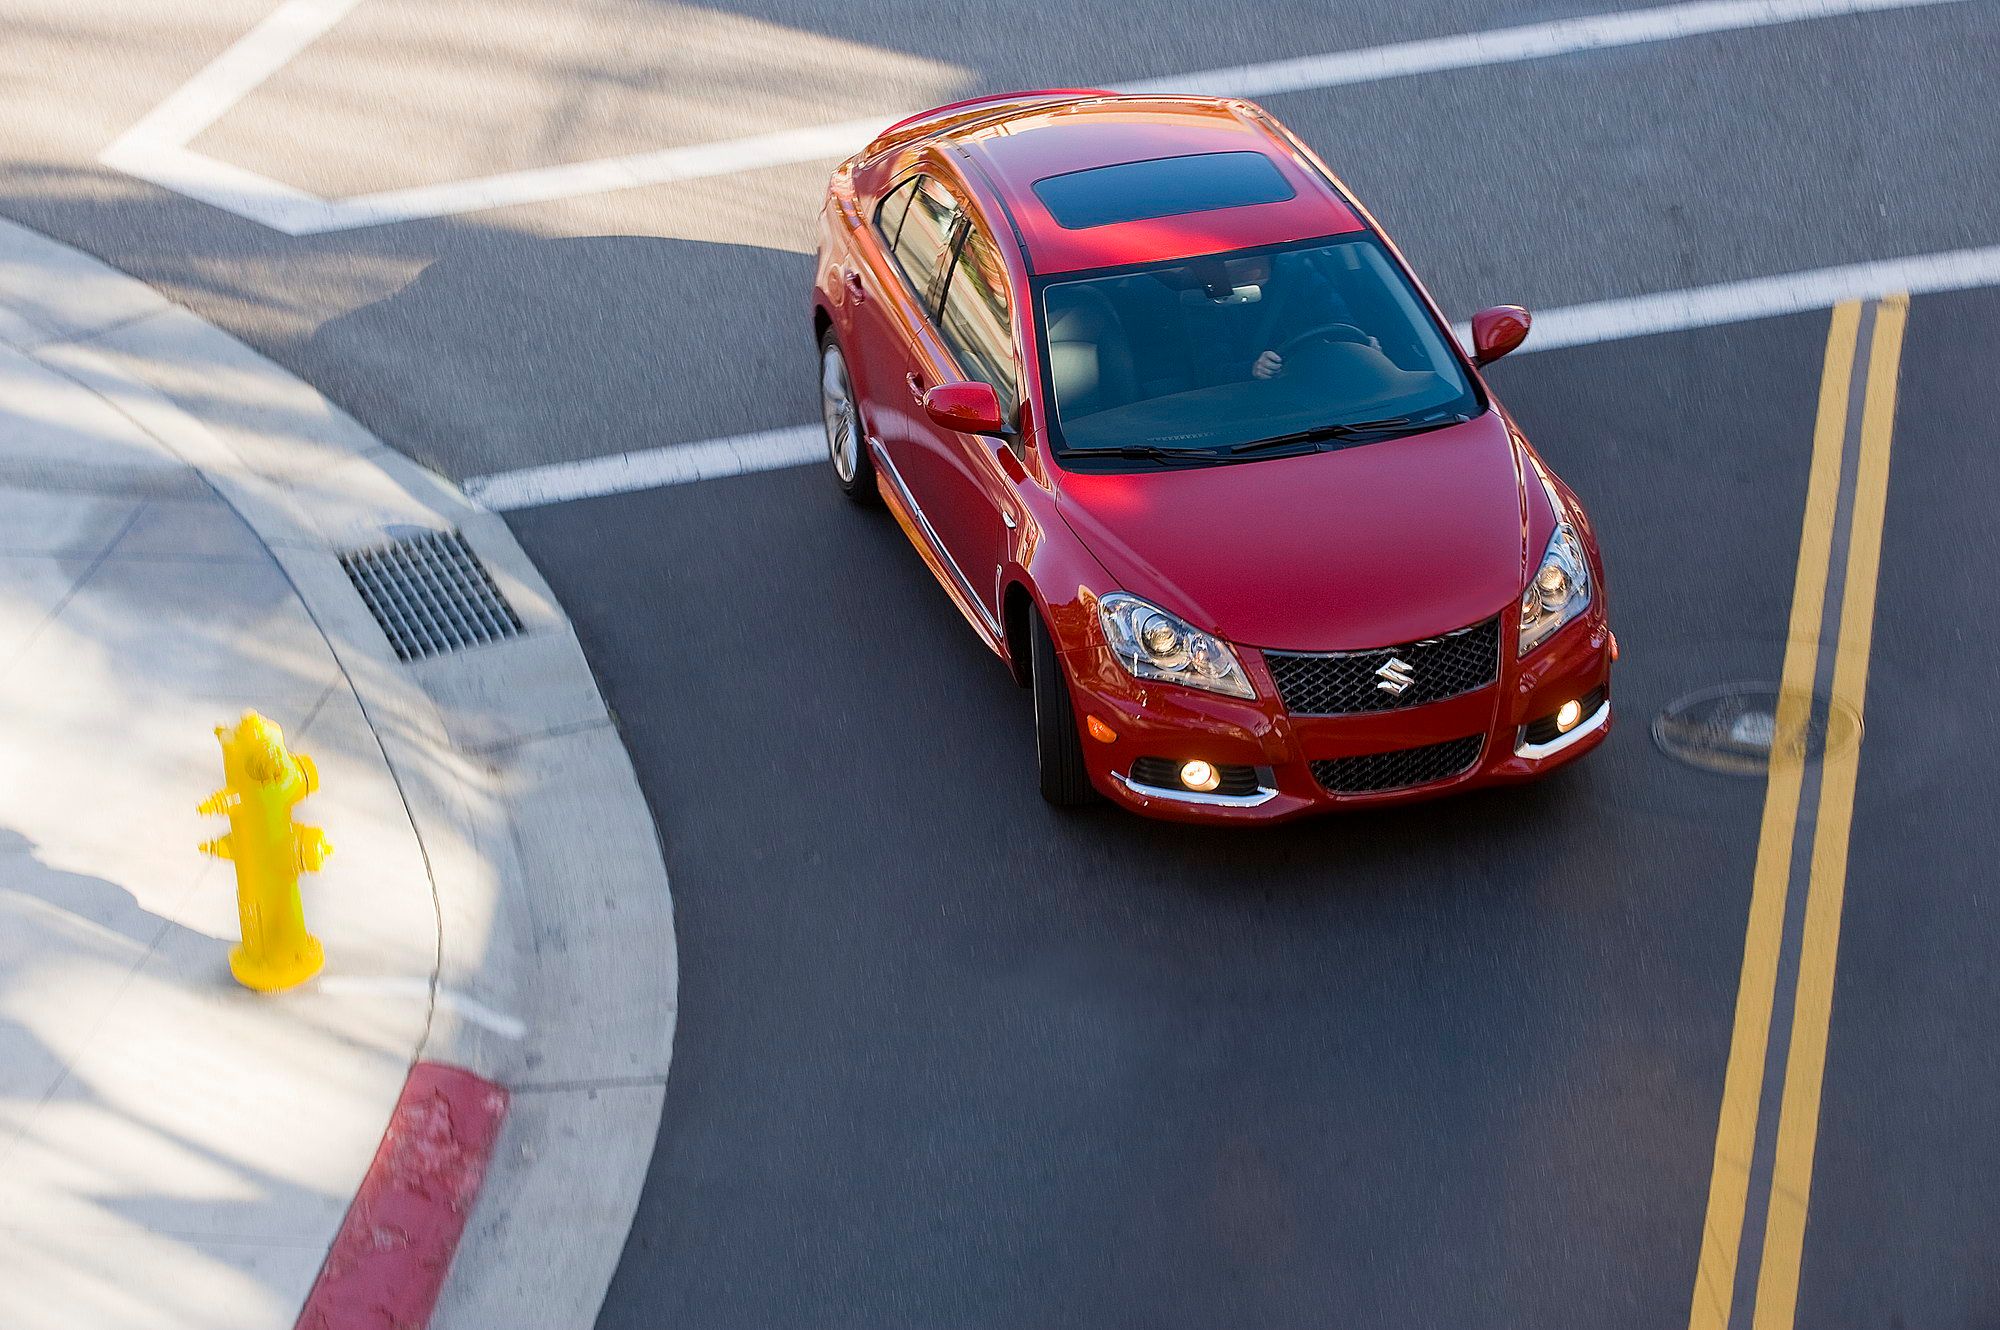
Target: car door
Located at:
point(966, 481)
point(891, 290)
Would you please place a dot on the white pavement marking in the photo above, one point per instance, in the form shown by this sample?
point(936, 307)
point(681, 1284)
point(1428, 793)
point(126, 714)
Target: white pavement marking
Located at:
point(650, 468)
point(785, 147)
point(156, 148)
point(1575, 325)
point(233, 75)
point(419, 988)
point(1763, 297)
point(1501, 46)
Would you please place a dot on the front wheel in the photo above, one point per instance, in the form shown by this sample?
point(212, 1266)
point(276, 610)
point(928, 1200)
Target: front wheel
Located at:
point(847, 449)
point(1058, 747)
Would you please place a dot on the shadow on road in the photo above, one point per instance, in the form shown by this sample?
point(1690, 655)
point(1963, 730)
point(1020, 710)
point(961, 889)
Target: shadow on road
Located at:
point(573, 348)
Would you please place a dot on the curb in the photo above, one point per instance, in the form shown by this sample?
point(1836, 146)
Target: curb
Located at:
point(387, 1264)
point(555, 973)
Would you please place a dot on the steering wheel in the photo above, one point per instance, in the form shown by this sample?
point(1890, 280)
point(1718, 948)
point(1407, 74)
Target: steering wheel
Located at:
point(1334, 332)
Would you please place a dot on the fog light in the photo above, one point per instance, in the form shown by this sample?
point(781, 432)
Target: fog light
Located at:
point(1571, 713)
point(1200, 775)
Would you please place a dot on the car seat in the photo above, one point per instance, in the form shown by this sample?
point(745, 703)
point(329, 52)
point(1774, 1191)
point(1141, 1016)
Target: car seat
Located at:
point(1090, 354)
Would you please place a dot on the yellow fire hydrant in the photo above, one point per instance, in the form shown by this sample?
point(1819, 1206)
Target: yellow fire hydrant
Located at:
point(261, 782)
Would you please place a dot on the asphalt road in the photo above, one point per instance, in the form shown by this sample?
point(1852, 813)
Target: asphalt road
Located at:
point(948, 1057)
point(596, 325)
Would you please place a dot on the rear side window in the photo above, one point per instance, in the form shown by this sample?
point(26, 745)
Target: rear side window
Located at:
point(919, 246)
point(1163, 187)
point(975, 319)
point(889, 216)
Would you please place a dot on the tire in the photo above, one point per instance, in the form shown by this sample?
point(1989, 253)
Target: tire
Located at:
point(1058, 747)
point(846, 442)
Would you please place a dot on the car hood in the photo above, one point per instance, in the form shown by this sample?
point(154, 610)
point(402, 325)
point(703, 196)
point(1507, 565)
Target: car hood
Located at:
point(1360, 547)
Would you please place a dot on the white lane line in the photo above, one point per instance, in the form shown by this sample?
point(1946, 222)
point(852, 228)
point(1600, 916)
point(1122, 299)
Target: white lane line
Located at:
point(1502, 46)
point(233, 75)
point(1575, 325)
point(785, 147)
point(156, 148)
point(650, 468)
point(256, 197)
point(1763, 298)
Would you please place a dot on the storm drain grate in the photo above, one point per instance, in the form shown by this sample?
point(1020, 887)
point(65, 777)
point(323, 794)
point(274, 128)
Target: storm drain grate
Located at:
point(431, 594)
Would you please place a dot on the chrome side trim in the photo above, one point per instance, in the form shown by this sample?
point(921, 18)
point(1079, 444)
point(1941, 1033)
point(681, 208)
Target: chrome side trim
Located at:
point(1535, 752)
point(930, 533)
point(1264, 795)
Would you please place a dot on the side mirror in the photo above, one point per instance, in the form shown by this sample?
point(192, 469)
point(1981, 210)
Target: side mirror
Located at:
point(969, 408)
point(1497, 331)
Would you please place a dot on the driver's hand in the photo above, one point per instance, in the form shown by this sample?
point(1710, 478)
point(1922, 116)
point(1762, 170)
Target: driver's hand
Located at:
point(1269, 366)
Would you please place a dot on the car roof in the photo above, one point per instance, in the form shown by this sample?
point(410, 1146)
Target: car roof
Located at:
point(1023, 146)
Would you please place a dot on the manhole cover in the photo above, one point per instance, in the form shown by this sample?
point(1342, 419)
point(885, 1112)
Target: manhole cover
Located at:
point(1733, 729)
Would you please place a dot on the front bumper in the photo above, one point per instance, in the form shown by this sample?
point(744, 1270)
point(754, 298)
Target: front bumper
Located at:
point(1291, 754)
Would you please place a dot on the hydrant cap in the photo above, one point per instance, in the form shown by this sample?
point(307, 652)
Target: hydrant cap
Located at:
point(263, 747)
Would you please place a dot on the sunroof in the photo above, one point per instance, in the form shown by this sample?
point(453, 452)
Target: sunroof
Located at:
point(1163, 187)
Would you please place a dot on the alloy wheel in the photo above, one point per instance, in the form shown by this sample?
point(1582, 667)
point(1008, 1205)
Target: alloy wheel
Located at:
point(843, 427)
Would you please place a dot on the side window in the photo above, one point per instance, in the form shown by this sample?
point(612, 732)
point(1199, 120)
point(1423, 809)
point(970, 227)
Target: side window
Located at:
point(919, 246)
point(889, 213)
point(975, 320)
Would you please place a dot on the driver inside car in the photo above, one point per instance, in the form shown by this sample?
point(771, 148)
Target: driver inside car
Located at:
point(1253, 306)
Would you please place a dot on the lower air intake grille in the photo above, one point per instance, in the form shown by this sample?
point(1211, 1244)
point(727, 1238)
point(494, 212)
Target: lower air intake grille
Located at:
point(431, 594)
point(1372, 773)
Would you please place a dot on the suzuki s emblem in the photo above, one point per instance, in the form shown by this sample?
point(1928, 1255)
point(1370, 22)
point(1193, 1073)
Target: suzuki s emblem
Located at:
point(1396, 675)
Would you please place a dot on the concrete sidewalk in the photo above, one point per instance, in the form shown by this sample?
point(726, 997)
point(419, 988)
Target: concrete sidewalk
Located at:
point(176, 1150)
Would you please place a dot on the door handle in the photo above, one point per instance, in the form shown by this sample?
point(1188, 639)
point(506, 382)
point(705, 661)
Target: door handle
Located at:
point(854, 288)
point(917, 389)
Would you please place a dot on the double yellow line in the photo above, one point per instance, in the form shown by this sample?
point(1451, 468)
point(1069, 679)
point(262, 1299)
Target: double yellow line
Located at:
point(1842, 539)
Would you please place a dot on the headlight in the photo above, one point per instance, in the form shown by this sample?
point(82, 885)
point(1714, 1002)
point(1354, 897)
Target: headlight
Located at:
point(1153, 644)
point(1559, 590)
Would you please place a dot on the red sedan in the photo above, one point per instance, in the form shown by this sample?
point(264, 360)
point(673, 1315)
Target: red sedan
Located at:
point(1193, 452)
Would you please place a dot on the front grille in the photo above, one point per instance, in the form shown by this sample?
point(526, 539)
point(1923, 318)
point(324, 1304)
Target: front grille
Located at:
point(1371, 773)
point(431, 594)
point(1164, 773)
point(1344, 683)
point(1543, 730)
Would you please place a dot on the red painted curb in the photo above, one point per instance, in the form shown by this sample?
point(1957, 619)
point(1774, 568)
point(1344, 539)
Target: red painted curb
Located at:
point(388, 1262)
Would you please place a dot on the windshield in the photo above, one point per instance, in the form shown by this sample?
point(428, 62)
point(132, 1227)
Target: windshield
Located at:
point(1201, 356)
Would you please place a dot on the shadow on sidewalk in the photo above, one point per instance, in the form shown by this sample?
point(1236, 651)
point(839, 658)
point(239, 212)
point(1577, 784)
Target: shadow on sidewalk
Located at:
point(88, 900)
point(122, 1117)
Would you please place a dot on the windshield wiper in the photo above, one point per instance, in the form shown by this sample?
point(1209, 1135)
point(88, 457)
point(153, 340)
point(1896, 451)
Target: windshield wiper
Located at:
point(1147, 451)
point(1352, 429)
